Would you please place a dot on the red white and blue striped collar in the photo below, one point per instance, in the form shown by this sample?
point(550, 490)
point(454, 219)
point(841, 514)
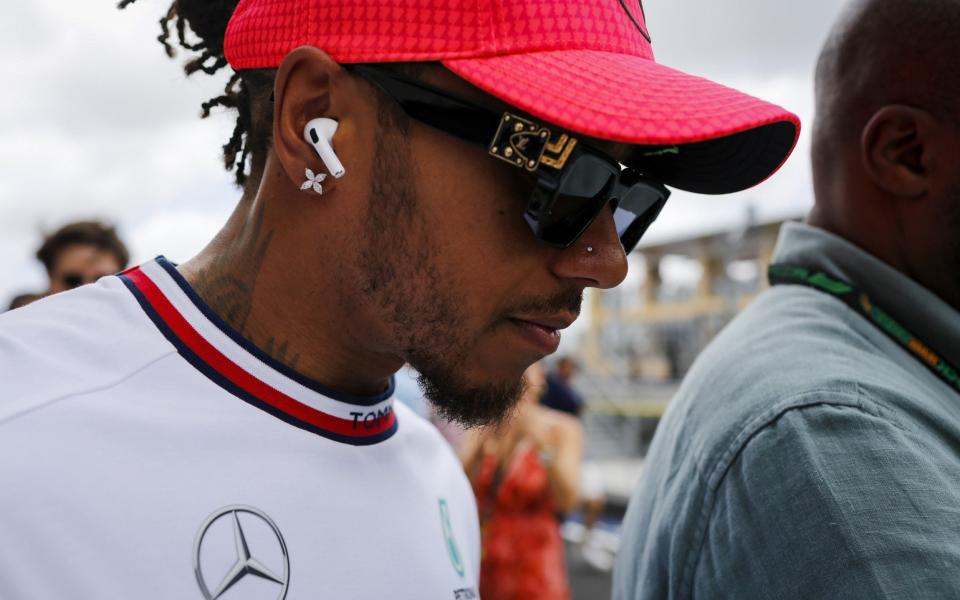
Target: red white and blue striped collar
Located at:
point(235, 364)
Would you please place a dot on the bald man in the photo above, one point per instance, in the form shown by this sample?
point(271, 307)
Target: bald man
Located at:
point(814, 449)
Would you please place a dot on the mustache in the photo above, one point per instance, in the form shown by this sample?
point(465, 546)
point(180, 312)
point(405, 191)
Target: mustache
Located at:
point(566, 300)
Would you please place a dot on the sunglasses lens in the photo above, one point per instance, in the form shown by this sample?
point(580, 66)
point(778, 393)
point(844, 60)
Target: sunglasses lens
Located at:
point(587, 179)
point(584, 191)
point(638, 208)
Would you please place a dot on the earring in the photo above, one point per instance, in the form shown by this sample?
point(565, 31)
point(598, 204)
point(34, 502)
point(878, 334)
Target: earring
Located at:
point(313, 181)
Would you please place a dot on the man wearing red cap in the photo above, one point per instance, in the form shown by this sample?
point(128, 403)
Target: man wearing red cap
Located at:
point(423, 181)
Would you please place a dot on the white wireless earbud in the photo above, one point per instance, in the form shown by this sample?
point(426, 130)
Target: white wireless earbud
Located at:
point(318, 134)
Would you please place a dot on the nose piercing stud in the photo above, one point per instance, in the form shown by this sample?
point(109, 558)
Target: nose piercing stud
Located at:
point(589, 249)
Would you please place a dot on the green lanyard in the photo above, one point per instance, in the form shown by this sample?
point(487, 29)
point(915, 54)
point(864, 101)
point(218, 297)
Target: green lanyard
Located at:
point(861, 303)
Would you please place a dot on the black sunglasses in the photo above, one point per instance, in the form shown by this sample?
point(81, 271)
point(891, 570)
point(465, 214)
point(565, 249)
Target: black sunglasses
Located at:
point(573, 181)
point(72, 280)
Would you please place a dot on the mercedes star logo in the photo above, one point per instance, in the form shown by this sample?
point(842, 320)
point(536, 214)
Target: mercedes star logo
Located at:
point(246, 563)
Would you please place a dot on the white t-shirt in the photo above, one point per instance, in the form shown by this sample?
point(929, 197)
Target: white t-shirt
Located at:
point(149, 451)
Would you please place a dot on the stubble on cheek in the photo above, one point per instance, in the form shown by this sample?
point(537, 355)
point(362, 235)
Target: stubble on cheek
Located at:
point(401, 283)
point(416, 299)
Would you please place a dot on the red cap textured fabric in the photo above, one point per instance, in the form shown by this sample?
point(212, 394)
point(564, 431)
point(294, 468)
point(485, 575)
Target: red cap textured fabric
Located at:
point(585, 65)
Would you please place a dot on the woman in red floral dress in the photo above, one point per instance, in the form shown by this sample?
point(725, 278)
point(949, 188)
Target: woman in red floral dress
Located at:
point(524, 473)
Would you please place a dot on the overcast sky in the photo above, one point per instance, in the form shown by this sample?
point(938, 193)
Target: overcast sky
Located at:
point(95, 121)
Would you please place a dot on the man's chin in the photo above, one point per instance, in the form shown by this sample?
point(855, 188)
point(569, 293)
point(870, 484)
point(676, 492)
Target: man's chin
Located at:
point(470, 404)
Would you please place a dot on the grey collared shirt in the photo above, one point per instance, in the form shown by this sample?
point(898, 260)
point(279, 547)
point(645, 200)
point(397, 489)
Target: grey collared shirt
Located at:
point(806, 455)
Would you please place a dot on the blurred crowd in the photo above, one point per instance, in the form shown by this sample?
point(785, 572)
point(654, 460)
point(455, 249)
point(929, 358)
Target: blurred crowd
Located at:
point(76, 254)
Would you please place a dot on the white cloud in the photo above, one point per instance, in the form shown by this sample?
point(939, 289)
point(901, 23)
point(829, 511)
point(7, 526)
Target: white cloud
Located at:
point(177, 234)
point(765, 48)
point(100, 124)
point(723, 39)
point(787, 194)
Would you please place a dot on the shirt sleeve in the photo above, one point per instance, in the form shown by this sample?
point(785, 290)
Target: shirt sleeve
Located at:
point(835, 502)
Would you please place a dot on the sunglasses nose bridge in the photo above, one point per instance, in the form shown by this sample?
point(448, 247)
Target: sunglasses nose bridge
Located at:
point(618, 191)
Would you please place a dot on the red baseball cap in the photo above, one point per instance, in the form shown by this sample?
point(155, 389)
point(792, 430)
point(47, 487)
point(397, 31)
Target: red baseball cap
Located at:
point(585, 65)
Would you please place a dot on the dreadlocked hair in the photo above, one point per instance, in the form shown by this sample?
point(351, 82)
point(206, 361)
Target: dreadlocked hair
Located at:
point(247, 91)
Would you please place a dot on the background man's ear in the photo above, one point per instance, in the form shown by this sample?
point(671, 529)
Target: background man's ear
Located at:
point(897, 150)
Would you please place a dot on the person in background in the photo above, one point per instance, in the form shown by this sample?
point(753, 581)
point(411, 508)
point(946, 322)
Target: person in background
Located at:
point(560, 394)
point(524, 471)
point(23, 300)
point(813, 450)
point(593, 500)
point(76, 254)
point(80, 253)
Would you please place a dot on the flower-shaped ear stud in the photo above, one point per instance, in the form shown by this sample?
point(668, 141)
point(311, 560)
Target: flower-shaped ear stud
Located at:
point(313, 181)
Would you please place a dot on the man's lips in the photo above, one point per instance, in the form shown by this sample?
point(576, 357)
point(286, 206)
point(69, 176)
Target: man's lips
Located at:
point(555, 321)
point(543, 331)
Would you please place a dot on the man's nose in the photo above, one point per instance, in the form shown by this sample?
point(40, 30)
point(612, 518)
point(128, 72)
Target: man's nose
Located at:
point(596, 258)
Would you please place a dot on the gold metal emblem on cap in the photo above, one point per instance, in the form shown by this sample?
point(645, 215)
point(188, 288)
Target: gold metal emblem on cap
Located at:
point(528, 145)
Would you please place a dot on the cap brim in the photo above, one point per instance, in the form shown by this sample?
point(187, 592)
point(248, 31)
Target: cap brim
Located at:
point(692, 133)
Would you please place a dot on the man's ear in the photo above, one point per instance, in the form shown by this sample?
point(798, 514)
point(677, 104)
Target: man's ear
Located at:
point(304, 90)
point(897, 150)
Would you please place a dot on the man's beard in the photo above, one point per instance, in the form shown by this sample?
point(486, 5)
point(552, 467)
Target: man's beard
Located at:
point(471, 405)
point(402, 279)
point(456, 401)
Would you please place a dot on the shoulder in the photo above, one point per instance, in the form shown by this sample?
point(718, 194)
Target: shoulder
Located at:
point(858, 503)
point(417, 431)
point(429, 459)
point(834, 498)
point(561, 423)
point(791, 348)
point(798, 337)
point(793, 351)
point(73, 343)
point(424, 443)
